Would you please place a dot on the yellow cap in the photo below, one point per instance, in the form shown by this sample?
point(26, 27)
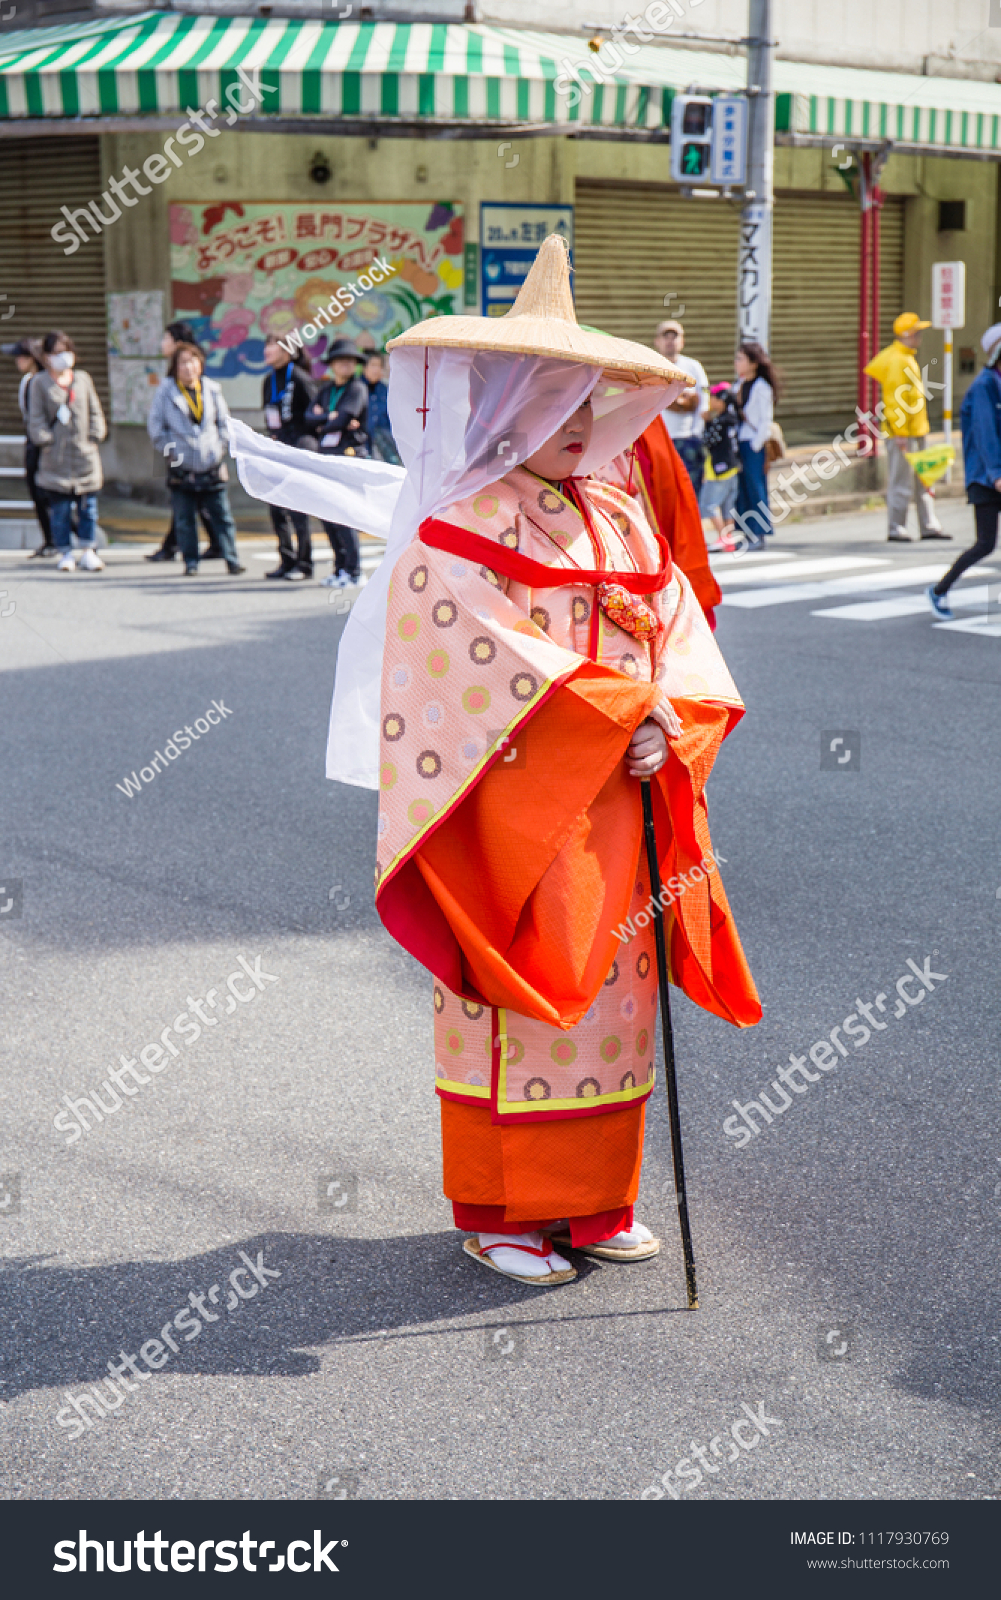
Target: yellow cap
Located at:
point(908, 321)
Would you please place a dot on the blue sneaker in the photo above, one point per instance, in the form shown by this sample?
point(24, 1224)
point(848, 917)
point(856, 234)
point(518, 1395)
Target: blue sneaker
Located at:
point(939, 603)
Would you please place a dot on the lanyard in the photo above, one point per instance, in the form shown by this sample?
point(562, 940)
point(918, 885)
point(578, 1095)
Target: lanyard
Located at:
point(275, 396)
point(336, 396)
point(196, 401)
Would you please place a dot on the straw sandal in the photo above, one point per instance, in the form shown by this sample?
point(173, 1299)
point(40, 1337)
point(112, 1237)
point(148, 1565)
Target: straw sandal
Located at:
point(565, 1274)
point(608, 1250)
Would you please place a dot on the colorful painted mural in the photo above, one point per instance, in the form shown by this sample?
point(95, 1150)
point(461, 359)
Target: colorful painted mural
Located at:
point(242, 271)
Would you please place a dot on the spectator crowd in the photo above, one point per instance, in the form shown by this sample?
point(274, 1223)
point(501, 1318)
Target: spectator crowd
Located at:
point(344, 412)
point(725, 434)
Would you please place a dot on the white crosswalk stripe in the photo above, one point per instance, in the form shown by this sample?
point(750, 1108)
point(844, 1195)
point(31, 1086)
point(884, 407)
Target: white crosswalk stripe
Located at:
point(787, 579)
point(906, 605)
point(794, 569)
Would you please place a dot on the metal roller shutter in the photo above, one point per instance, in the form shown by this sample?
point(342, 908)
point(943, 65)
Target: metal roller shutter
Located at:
point(815, 289)
point(641, 254)
point(47, 288)
point(638, 246)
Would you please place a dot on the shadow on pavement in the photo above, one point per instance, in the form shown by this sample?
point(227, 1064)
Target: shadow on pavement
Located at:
point(65, 1324)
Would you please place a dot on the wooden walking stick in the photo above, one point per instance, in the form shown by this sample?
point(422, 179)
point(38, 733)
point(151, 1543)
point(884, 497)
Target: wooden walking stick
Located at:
point(670, 1079)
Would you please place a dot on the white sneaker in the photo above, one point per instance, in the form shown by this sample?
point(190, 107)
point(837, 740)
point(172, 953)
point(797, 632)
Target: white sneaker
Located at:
point(900, 535)
point(336, 580)
point(67, 562)
point(90, 561)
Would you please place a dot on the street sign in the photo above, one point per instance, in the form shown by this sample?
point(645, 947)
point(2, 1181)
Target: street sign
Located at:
point(510, 235)
point(691, 137)
point(948, 294)
point(729, 141)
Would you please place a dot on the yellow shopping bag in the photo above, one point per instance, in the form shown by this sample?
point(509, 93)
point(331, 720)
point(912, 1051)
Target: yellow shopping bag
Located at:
point(930, 465)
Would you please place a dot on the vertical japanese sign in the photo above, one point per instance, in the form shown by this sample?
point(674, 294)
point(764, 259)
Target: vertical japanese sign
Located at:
point(948, 294)
point(729, 146)
point(755, 273)
point(241, 272)
point(510, 236)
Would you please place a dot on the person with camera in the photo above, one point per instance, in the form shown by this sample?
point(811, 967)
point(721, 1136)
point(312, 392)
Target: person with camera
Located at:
point(174, 334)
point(287, 394)
point(66, 423)
point(338, 418)
point(188, 424)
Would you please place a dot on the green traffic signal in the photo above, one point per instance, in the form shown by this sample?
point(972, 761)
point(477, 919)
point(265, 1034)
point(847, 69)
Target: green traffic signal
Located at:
point(694, 160)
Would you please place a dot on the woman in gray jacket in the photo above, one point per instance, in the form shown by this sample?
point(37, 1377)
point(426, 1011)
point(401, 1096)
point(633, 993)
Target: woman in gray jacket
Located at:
point(67, 424)
point(188, 424)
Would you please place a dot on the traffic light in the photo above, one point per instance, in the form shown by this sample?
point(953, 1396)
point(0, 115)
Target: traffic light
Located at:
point(691, 137)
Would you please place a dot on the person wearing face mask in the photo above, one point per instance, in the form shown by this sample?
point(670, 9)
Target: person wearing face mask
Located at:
point(67, 424)
point(174, 334)
point(338, 418)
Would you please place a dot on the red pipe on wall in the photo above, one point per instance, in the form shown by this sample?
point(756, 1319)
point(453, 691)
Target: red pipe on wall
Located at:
point(864, 353)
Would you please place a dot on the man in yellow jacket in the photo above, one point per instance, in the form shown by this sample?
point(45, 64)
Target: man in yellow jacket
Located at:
point(905, 421)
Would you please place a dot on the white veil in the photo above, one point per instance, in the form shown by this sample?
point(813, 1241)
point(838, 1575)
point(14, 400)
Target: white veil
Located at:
point(486, 411)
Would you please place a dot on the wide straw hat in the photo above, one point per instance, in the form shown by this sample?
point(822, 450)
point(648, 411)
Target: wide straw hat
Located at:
point(542, 322)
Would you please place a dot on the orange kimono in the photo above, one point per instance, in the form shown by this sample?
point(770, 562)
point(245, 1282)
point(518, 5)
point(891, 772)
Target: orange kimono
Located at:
point(654, 474)
point(509, 854)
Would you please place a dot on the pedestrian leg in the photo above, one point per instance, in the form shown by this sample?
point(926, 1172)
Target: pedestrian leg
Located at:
point(39, 500)
point(168, 549)
point(212, 551)
point(61, 512)
point(213, 504)
point(186, 527)
point(928, 522)
point(347, 556)
point(900, 482)
point(986, 518)
point(281, 523)
point(304, 543)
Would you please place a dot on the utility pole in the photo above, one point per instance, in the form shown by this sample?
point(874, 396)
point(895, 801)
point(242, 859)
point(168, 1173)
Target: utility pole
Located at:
point(754, 289)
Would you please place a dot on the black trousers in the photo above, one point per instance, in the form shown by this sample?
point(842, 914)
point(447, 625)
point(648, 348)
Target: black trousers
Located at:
point(344, 543)
point(986, 513)
point(285, 523)
point(169, 546)
point(39, 497)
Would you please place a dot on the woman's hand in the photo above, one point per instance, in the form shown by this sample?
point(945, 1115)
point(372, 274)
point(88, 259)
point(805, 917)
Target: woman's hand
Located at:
point(647, 751)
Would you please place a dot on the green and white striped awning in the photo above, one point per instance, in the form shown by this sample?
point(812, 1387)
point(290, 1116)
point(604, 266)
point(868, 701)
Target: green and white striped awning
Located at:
point(446, 72)
point(159, 64)
point(953, 116)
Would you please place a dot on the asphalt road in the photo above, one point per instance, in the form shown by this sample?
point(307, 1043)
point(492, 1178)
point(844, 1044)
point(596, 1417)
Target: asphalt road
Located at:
point(847, 1253)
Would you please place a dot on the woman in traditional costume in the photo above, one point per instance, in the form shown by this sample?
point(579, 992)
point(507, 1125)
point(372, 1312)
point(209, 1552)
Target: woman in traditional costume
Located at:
point(523, 658)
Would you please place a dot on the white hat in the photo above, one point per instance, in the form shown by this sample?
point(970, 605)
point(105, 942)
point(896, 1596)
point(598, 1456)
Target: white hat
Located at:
point(991, 344)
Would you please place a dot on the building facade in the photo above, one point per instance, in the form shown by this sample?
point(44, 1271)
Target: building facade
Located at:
point(276, 157)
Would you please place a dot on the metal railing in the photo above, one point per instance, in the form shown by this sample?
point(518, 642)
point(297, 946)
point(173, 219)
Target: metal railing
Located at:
point(27, 506)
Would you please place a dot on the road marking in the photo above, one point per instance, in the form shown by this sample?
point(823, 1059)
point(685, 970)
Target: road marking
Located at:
point(907, 605)
point(800, 569)
point(902, 578)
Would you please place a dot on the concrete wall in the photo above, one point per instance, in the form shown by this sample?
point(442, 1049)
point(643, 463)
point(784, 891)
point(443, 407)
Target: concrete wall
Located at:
point(947, 36)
